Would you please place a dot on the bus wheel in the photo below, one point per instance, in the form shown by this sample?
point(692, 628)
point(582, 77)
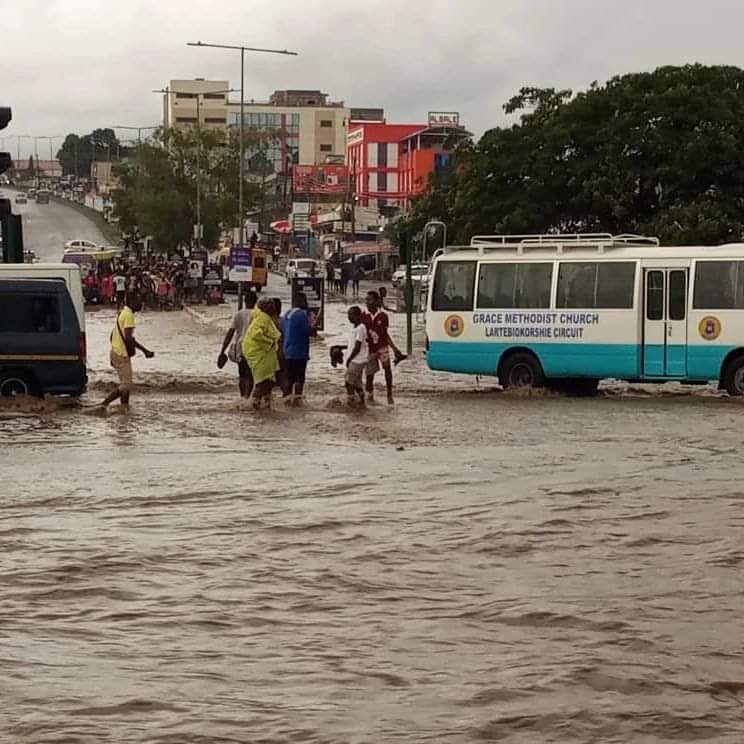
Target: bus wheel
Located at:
point(521, 370)
point(13, 383)
point(733, 376)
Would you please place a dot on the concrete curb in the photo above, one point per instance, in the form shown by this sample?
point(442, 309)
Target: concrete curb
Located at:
point(111, 233)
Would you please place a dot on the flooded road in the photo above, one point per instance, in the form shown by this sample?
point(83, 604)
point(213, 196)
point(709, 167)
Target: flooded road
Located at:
point(467, 566)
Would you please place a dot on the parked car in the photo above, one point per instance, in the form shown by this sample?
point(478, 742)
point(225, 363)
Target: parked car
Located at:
point(20, 198)
point(81, 246)
point(31, 193)
point(42, 330)
point(304, 267)
point(419, 275)
point(42, 197)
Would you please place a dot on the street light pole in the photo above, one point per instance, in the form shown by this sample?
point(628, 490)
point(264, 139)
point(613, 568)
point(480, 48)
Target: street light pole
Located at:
point(243, 50)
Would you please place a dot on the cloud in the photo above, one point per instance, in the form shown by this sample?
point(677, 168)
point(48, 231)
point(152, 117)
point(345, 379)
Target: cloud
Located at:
point(73, 65)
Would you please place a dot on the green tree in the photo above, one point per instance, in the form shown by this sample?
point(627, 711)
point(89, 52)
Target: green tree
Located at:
point(659, 153)
point(180, 171)
point(76, 153)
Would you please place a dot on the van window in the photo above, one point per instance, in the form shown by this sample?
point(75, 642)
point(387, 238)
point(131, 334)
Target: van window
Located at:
point(29, 313)
point(596, 285)
point(454, 285)
point(525, 285)
point(259, 262)
point(719, 285)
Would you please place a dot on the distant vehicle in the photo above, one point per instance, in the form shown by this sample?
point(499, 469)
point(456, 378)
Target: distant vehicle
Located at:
point(42, 330)
point(419, 275)
point(31, 193)
point(303, 267)
point(20, 198)
point(29, 257)
point(42, 197)
point(81, 246)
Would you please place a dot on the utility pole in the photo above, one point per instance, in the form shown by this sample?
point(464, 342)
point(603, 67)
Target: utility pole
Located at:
point(241, 166)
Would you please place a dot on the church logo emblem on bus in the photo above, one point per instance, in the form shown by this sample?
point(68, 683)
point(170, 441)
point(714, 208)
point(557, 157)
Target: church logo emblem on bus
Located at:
point(454, 326)
point(710, 328)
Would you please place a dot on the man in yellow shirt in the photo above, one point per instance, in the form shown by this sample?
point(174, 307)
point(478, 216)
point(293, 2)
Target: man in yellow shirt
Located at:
point(123, 348)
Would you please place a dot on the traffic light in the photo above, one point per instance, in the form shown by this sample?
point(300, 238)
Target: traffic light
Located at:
point(11, 229)
point(6, 161)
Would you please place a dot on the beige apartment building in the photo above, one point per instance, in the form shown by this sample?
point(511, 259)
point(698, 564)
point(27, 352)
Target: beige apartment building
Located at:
point(186, 101)
point(311, 128)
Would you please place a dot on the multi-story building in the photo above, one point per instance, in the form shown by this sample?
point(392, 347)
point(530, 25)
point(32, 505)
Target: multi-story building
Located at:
point(391, 163)
point(310, 128)
point(187, 101)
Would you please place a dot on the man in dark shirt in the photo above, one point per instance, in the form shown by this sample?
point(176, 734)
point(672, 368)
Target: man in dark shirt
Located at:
point(297, 332)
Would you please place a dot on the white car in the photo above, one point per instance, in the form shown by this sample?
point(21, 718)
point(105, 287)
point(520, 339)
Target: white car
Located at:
point(302, 267)
point(81, 246)
point(419, 274)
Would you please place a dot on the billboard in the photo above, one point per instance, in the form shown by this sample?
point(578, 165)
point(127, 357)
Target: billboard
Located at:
point(320, 179)
point(444, 118)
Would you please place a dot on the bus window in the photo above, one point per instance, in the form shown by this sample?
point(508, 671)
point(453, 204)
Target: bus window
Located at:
point(505, 285)
point(454, 285)
point(719, 285)
point(655, 295)
point(677, 295)
point(596, 285)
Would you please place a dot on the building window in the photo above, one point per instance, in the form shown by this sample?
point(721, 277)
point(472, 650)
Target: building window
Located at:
point(185, 120)
point(326, 148)
point(214, 96)
point(185, 95)
point(382, 154)
point(214, 120)
point(327, 123)
point(382, 181)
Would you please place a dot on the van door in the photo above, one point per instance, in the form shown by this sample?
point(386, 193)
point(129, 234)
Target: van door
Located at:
point(665, 323)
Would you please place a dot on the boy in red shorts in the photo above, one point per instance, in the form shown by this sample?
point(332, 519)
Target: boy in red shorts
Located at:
point(377, 322)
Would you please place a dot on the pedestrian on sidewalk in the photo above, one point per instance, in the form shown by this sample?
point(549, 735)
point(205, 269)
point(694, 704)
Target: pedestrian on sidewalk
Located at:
point(297, 331)
point(123, 347)
point(120, 283)
point(261, 351)
point(345, 277)
point(232, 346)
point(357, 357)
point(378, 324)
point(357, 277)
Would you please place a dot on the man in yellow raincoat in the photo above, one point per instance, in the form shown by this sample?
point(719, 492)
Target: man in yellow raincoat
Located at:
point(261, 351)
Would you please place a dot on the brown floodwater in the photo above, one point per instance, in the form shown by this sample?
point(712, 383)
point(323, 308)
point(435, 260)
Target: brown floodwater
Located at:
point(467, 566)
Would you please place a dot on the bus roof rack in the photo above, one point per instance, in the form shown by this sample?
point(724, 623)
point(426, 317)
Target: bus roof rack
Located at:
point(560, 243)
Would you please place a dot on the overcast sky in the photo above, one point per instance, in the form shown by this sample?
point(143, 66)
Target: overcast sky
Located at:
point(73, 65)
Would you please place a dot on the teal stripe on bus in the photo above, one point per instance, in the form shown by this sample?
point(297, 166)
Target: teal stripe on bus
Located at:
point(622, 361)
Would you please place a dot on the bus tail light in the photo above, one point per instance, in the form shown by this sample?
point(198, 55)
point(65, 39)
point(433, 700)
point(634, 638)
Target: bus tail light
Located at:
point(82, 348)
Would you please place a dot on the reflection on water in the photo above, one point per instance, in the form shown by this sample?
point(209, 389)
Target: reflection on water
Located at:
point(466, 566)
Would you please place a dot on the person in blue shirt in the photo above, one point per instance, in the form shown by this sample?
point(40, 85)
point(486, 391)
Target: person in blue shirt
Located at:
point(297, 331)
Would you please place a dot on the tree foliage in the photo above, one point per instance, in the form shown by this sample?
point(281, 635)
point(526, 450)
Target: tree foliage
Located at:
point(158, 184)
point(76, 153)
point(658, 153)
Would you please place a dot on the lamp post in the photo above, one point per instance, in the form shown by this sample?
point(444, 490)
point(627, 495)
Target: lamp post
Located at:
point(242, 50)
point(168, 92)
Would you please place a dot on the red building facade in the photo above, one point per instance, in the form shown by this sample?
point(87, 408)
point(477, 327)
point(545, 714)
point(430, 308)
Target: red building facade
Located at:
point(391, 163)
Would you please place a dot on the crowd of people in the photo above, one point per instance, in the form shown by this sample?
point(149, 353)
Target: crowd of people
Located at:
point(161, 284)
point(272, 350)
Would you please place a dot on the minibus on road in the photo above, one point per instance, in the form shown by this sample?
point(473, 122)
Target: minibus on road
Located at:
point(570, 310)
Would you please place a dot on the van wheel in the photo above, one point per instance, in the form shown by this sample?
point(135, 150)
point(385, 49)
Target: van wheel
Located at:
point(521, 370)
point(16, 383)
point(733, 376)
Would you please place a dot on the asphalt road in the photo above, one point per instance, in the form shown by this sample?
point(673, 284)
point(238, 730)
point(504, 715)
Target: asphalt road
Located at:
point(47, 227)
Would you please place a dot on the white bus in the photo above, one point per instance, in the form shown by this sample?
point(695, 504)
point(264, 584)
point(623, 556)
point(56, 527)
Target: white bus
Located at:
point(569, 310)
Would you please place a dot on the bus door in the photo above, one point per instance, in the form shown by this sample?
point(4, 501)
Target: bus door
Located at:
point(665, 323)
